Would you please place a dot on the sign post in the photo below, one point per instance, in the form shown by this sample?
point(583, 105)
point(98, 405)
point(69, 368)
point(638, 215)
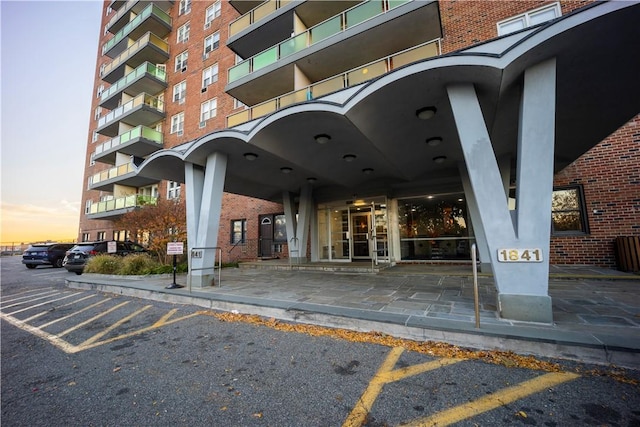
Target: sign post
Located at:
point(175, 248)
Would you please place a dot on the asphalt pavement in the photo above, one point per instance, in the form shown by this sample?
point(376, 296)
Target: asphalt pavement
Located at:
point(596, 311)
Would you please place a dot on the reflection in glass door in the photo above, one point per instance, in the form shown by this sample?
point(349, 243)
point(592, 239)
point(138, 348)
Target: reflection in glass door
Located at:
point(360, 235)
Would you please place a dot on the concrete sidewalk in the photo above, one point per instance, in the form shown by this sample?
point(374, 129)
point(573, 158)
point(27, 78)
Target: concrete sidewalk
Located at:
point(596, 311)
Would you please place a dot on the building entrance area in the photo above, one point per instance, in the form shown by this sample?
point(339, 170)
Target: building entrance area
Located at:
point(353, 230)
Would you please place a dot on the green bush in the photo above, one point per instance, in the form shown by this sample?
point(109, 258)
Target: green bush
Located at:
point(137, 264)
point(103, 264)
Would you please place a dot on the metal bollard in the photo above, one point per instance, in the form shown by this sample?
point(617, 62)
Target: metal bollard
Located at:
point(475, 284)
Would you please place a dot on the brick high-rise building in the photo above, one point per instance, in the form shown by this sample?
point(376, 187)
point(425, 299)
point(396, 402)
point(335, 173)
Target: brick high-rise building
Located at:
point(181, 73)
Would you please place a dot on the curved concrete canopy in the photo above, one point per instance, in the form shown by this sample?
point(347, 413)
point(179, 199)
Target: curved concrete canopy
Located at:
point(598, 90)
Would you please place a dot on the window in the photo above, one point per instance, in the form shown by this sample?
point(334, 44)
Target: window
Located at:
point(238, 231)
point(181, 61)
point(101, 235)
point(180, 92)
point(238, 104)
point(92, 159)
point(177, 123)
point(94, 137)
point(85, 237)
point(185, 7)
point(208, 109)
point(212, 12)
point(568, 215)
point(120, 235)
point(87, 207)
point(99, 91)
point(97, 112)
point(279, 229)
point(209, 75)
point(150, 190)
point(533, 17)
point(183, 33)
point(212, 42)
point(173, 190)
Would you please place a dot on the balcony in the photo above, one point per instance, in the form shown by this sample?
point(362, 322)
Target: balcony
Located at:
point(139, 141)
point(273, 19)
point(243, 6)
point(146, 78)
point(144, 110)
point(116, 4)
point(119, 206)
point(354, 37)
point(121, 18)
point(151, 19)
point(149, 48)
point(123, 174)
point(345, 80)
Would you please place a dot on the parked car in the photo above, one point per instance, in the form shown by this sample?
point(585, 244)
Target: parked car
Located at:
point(45, 254)
point(76, 257)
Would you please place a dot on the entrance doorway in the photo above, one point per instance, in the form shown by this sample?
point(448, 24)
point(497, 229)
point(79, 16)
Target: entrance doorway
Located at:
point(361, 235)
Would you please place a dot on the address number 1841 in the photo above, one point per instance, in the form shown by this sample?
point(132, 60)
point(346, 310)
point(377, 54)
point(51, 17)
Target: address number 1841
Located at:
point(519, 255)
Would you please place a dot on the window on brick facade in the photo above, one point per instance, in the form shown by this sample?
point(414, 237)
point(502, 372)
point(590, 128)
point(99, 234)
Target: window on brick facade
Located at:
point(87, 207)
point(528, 19)
point(173, 190)
point(181, 61)
point(208, 109)
point(177, 123)
point(185, 7)
point(101, 235)
point(238, 231)
point(99, 91)
point(180, 92)
point(238, 104)
point(183, 33)
point(211, 42)
point(568, 215)
point(85, 237)
point(209, 75)
point(212, 12)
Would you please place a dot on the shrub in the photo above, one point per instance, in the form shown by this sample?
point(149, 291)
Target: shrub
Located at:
point(103, 264)
point(137, 264)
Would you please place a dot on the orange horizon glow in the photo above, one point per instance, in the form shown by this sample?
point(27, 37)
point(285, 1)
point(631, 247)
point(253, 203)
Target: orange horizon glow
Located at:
point(23, 224)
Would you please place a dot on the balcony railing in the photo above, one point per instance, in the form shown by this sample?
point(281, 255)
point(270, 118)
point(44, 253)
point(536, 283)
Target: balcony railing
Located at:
point(137, 132)
point(111, 173)
point(345, 80)
point(142, 99)
point(332, 26)
point(147, 67)
point(131, 201)
point(152, 9)
point(254, 15)
point(121, 12)
point(122, 58)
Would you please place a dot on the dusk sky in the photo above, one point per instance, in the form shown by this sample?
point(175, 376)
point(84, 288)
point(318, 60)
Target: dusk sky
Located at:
point(48, 52)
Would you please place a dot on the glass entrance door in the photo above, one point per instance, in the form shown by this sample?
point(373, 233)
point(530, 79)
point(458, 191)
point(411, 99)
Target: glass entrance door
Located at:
point(361, 235)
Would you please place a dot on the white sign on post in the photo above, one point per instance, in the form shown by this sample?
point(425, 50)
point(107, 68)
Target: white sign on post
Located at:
point(175, 248)
point(112, 247)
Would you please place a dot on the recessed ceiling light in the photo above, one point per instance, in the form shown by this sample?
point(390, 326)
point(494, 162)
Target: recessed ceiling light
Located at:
point(439, 159)
point(349, 157)
point(250, 156)
point(322, 138)
point(434, 142)
point(285, 170)
point(426, 113)
point(367, 171)
point(311, 180)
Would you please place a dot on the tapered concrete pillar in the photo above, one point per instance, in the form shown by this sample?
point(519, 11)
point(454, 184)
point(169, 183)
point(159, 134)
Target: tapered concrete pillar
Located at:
point(204, 205)
point(519, 251)
point(297, 222)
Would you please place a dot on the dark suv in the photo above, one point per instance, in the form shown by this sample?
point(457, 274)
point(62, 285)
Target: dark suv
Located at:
point(78, 255)
point(45, 254)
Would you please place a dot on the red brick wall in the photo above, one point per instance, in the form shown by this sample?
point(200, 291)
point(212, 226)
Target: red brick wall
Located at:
point(610, 176)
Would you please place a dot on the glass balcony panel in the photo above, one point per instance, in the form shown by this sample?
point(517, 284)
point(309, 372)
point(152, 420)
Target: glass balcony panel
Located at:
point(395, 3)
point(293, 45)
point(294, 97)
point(146, 13)
point(263, 10)
point(367, 72)
point(240, 70)
point(265, 58)
point(119, 203)
point(326, 29)
point(362, 12)
point(328, 86)
point(264, 108)
point(241, 23)
point(238, 118)
point(413, 55)
point(147, 38)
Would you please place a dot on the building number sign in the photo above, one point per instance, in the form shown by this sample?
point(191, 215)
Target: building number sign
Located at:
point(520, 255)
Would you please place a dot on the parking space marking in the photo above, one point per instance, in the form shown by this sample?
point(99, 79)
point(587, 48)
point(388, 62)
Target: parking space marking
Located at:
point(386, 374)
point(495, 400)
point(95, 340)
point(22, 298)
